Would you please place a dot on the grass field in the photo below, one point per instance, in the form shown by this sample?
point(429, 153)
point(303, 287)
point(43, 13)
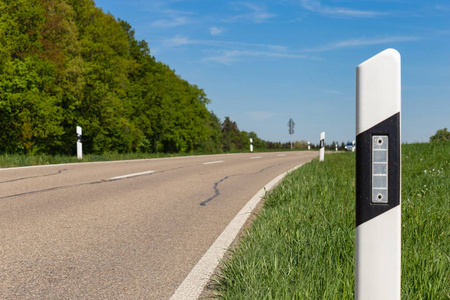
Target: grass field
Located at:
point(301, 246)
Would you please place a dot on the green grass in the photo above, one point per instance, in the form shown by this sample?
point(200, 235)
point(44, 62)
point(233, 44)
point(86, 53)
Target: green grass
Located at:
point(426, 221)
point(301, 246)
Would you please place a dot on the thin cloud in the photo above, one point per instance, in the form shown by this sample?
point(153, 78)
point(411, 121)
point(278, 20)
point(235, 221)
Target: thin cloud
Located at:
point(333, 92)
point(174, 12)
point(216, 30)
point(316, 6)
point(363, 42)
point(227, 52)
point(227, 57)
point(170, 23)
point(171, 18)
point(179, 40)
point(256, 13)
point(442, 7)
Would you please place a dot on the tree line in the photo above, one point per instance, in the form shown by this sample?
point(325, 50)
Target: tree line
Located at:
point(66, 63)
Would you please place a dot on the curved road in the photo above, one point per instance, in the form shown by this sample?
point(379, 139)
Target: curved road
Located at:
point(121, 230)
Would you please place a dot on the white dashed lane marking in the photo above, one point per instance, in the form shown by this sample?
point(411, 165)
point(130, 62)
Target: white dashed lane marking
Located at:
point(131, 175)
point(213, 162)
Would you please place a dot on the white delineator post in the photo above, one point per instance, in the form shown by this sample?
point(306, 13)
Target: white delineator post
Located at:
point(79, 143)
point(251, 145)
point(309, 146)
point(336, 147)
point(322, 146)
point(378, 177)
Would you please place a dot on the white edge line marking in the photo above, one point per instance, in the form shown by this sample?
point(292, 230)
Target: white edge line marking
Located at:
point(196, 280)
point(255, 157)
point(131, 175)
point(213, 162)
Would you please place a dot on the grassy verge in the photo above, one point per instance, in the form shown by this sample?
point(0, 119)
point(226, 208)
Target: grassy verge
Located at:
point(426, 221)
point(301, 246)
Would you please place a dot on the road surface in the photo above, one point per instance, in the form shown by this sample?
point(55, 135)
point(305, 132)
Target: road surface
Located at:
point(121, 230)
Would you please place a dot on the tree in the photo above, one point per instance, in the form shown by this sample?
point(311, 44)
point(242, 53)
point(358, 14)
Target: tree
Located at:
point(231, 137)
point(301, 144)
point(442, 135)
point(66, 63)
point(213, 135)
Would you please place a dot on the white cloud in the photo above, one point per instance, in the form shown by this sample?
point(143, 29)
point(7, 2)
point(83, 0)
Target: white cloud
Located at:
point(174, 12)
point(216, 30)
point(256, 13)
point(442, 7)
point(259, 17)
point(333, 92)
point(226, 52)
point(169, 23)
point(227, 57)
point(363, 42)
point(177, 41)
point(316, 6)
point(182, 40)
point(169, 17)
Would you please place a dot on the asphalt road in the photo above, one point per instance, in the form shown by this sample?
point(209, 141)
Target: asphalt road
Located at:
point(121, 230)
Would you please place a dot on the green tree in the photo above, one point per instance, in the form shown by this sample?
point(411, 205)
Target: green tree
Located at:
point(65, 63)
point(231, 137)
point(302, 144)
point(442, 135)
point(214, 131)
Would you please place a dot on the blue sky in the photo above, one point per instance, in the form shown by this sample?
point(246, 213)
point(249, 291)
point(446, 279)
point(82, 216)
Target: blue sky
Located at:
point(264, 62)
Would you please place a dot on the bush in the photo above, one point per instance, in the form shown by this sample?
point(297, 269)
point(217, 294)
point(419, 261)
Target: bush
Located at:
point(441, 135)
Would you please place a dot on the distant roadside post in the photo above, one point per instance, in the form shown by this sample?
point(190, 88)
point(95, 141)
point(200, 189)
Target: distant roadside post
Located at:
point(251, 145)
point(322, 146)
point(309, 146)
point(378, 177)
point(79, 143)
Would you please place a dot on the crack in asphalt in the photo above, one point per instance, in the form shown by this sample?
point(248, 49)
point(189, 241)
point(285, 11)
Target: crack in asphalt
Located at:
point(37, 176)
point(51, 189)
point(216, 190)
point(74, 184)
point(216, 184)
